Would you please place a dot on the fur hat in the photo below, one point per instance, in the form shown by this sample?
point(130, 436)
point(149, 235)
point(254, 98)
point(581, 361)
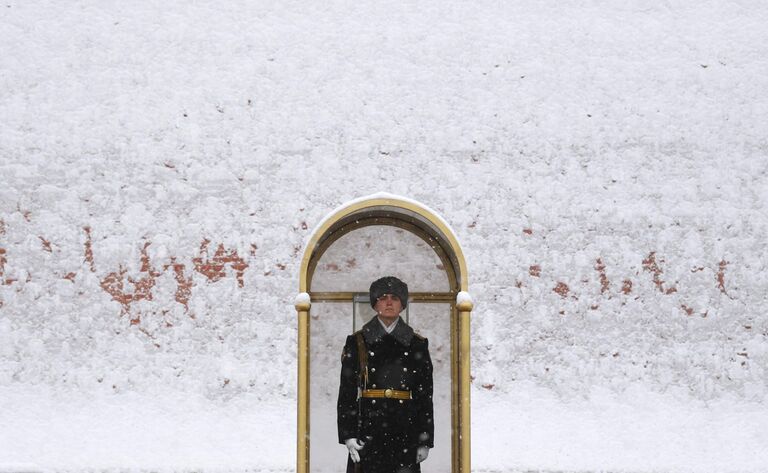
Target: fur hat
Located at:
point(389, 285)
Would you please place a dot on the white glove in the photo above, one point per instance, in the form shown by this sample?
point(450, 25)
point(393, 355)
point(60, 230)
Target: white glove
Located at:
point(421, 454)
point(353, 445)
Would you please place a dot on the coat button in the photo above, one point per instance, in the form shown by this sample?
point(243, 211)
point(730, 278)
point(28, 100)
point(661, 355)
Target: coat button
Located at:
point(401, 401)
point(373, 401)
point(406, 353)
point(373, 386)
point(405, 369)
point(388, 393)
point(371, 353)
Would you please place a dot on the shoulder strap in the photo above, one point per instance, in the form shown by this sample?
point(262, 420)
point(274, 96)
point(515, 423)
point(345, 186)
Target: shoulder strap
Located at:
point(362, 356)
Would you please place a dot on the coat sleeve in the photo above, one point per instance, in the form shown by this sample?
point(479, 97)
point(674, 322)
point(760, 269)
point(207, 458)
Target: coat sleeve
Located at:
point(423, 398)
point(346, 407)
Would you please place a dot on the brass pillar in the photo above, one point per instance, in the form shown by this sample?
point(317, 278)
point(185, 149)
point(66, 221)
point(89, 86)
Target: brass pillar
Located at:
point(302, 305)
point(464, 305)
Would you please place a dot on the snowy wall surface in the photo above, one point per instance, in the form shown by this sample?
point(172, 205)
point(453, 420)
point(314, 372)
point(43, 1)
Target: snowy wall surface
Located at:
point(604, 165)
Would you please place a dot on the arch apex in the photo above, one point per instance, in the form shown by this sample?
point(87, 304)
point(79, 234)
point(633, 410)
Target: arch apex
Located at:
point(393, 205)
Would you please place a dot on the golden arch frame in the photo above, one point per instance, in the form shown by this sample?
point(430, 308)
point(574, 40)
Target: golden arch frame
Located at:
point(388, 209)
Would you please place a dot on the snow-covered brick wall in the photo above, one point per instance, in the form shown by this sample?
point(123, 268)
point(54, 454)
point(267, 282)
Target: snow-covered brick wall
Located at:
point(604, 165)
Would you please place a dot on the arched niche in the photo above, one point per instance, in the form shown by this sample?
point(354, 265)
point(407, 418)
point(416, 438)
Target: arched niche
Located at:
point(380, 235)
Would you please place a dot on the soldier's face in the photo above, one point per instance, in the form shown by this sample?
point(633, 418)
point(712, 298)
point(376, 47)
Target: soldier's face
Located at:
point(388, 307)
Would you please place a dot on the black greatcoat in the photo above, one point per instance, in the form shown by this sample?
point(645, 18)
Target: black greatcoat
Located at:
point(393, 429)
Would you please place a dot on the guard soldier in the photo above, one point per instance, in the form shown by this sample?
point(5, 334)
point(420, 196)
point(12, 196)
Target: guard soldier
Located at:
point(385, 413)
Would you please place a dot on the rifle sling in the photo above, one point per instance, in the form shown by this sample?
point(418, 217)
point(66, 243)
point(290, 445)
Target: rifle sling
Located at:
point(362, 356)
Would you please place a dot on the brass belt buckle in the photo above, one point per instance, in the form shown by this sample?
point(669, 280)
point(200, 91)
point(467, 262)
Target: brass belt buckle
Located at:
point(388, 393)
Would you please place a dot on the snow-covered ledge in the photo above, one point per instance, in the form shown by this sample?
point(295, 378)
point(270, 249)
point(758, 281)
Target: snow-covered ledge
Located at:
point(464, 301)
point(302, 302)
point(19, 468)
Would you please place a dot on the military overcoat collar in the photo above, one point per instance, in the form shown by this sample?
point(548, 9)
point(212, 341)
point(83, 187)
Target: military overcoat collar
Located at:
point(373, 332)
